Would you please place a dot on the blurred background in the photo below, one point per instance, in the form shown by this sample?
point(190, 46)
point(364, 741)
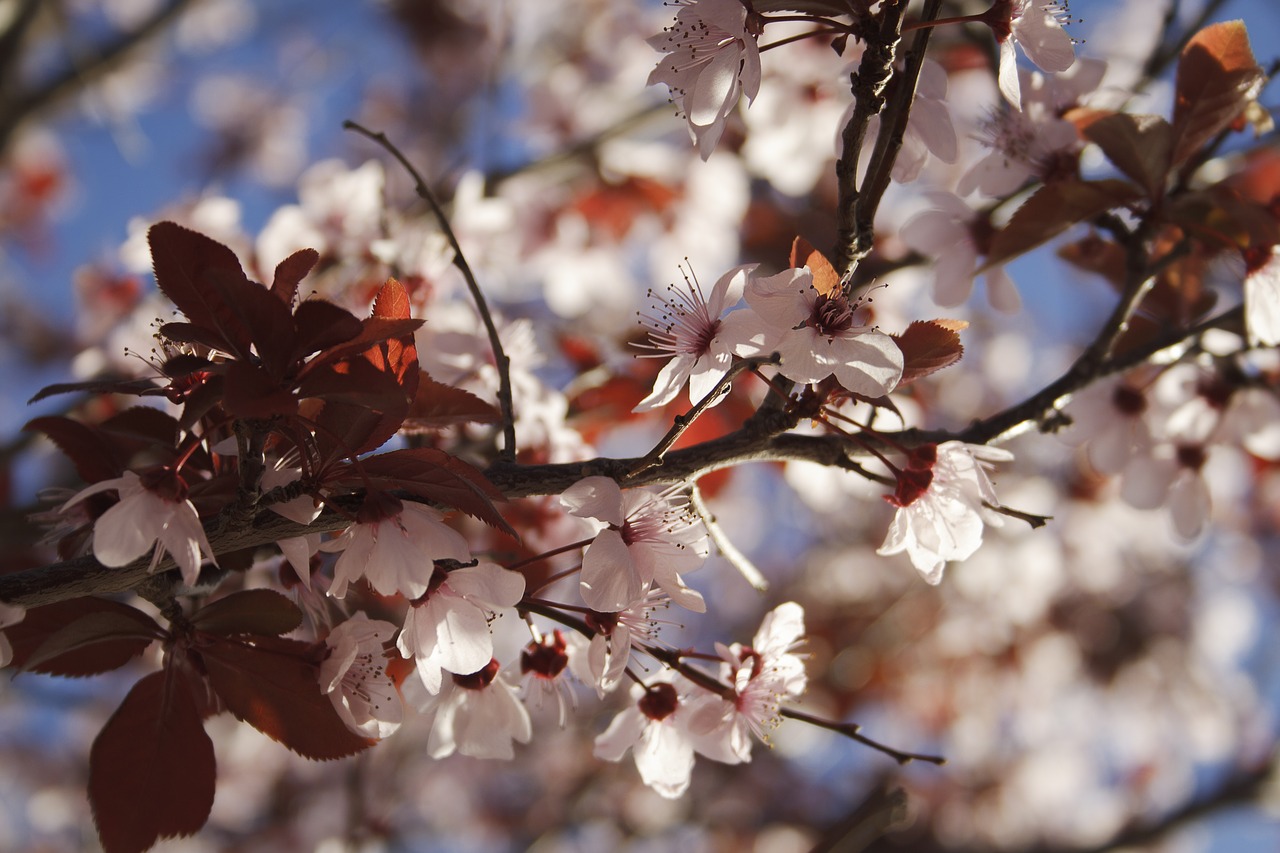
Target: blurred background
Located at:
point(1096, 684)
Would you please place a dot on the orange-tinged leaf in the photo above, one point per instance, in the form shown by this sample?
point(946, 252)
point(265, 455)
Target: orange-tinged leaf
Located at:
point(825, 278)
point(151, 770)
point(927, 347)
point(1217, 76)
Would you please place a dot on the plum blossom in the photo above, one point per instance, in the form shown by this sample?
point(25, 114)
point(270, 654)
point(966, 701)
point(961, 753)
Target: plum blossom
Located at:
point(448, 628)
point(602, 660)
point(762, 675)
point(153, 508)
point(1111, 418)
point(929, 129)
point(303, 509)
point(817, 335)
point(940, 498)
point(653, 729)
point(1262, 296)
point(693, 328)
point(955, 236)
point(1035, 26)
point(478, 715)
point(355, 678)
point(10, 614)
point(650, 538)
point(712, 60)
point(543, 665)
point(393, 545)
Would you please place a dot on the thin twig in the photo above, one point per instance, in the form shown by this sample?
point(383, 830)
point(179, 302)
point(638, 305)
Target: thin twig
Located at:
point(853, 731)
point(460, 261)
point(653, 458)
point(728, 550)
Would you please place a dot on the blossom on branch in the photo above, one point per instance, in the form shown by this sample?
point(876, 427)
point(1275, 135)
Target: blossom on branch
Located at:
point(393, 544)
point(478, 715)
point(650, 539)
point(652, 728)
point(817, 335)
point(1036, 27)
point(448, 627)
point(762, 675)
point(940, 499)
point(355, 678)
point(1262, 296)
point(712, 59)
point(153, 510)
point(693, 328)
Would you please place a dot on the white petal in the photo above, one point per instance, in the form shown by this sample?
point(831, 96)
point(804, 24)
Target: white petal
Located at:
point(609, 579)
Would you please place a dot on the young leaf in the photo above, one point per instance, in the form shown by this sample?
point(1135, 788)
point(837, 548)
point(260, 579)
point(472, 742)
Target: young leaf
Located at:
point(825, 278)
point(250, 611)
point(274, 687)
point(151, 769)
point(81, 637)
point(290, 272)
point(1053, 209)
point(95, 458)
point(1217, 76)
point(437, 406)
point(185, 263)
point(927, 347)
point(1138, 145)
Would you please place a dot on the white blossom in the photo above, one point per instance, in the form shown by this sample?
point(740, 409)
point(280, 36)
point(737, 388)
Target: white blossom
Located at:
point(355, 678)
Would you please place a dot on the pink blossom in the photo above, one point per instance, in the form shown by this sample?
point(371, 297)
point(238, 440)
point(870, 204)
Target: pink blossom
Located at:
point(152, 508)
point(954, 235)
point(1262, 296)
point(393, 545)
point(355, 678)
point(651, 538)
point(10, 614)
point(712, 60)
point(692, 327)
point(1036, 27)
point(448, 628)
point(652, 728)
point(1171, 476)
point(478, 715)
point(940, 498)
point(762, 675)
point(817, 335)
point(602, 660)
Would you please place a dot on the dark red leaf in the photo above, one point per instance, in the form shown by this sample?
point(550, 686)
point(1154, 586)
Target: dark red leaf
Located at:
point(250, 611)
point(151, 770)
point(80, 637)
point(374, 330)
point(143, 424)
point(275, 688)
point(438, 405)
point(251, 393)
point(1053, 209)
point(95, 458)
point(268, 321)
point(321, 325)
point(136, 387)
point(1140, 146)
point(438, 477)
point(1217, 76)
point(928, 346)
point(190, 333)
point(290, 272)
point(187, 266)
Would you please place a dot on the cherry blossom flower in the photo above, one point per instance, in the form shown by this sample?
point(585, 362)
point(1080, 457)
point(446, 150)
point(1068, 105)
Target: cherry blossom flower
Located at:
point(1023, 145)
point(1111, 418)
point(692, 327)
point(652, 728)
point(956, 237)
point(355, 678)
point(940, 498)
point(10, 614)
point(929, 129)
point(543, 664)
point(153, 508)
point(651, 538)
point(817, 335)
point(303, 509)
point(1262, 296)
point(448, 628)
point(1036, 27)
point(478, 715)
point(393, 545)
point(602, 660)
point(1172, 475)
point(762, 675)
point(712, 60)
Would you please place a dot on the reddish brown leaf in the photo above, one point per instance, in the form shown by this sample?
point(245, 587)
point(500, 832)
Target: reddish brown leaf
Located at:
point(95, 458)
point(81, 637)
point(185, 264)
point(927, 347)
point(438, 405)
point(1139, 145)
point(373, 330)
point(438, 477)
point(322, 324)
point(250, 611)
point(274, 687)
point(1217, 76)
point(151, 770)
point(1097, 255)
point(251, 393)
point(1053, 209)
point(136, 387)
point(825, 278)
point(290, 272)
